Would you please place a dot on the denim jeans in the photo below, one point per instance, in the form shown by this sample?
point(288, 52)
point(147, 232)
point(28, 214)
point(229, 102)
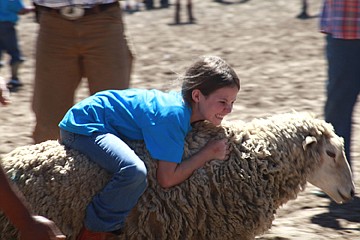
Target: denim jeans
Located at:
point(343, 86)
point(9, 42)
point(109, 208)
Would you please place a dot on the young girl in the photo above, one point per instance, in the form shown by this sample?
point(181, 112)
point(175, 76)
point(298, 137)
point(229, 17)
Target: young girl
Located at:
point(98, 125)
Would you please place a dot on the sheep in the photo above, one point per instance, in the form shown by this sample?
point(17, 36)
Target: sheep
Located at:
point(270, 161)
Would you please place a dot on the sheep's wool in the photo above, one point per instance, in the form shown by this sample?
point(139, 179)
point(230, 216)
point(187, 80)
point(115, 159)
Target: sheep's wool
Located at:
point(233, 199)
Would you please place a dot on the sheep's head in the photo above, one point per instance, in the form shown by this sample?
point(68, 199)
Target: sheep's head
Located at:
point(333, 175)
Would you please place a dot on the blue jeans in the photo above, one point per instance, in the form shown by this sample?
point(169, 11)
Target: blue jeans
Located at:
point(109, 208)
point(343, 86)
point(9, 42)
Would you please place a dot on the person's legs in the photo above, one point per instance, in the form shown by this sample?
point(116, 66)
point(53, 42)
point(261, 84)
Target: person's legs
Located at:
point(14, 82)
point(57, 74)
point(149, 4)
point(164, 3)
point(177, 11)
point(109, 208)
point(343, 86)
point(189, 7)
point(1, 54)
point(2, 39)
point(10, 44)
point(107, 59)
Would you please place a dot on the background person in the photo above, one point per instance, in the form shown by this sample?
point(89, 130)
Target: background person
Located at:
point(77, 39)
point(9, 11)
point(340, 21)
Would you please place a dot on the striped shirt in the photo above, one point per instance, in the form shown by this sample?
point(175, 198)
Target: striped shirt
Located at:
point(63, 3)
point(341, 18)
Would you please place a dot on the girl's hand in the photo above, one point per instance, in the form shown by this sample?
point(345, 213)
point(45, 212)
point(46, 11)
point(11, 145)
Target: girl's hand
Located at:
point(41, 228)
point(218, 149)
point(170, 173)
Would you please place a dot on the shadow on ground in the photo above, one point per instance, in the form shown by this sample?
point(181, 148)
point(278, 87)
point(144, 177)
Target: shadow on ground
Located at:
point(332, 219)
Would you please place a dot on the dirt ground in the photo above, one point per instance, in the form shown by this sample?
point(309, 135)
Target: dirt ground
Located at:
point(280, 61)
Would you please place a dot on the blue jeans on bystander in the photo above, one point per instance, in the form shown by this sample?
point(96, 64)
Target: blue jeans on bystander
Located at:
point(343, 86)
point(9, 42)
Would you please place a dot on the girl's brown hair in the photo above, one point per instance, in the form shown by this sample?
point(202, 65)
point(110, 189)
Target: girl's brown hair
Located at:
point(208, 74)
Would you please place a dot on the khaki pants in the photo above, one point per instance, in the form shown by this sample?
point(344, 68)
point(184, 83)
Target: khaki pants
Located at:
point(93, 47)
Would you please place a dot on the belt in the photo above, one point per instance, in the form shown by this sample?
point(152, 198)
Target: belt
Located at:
point(86, 11)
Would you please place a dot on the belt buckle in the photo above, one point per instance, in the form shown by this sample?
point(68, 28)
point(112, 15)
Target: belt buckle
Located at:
point(72, 12)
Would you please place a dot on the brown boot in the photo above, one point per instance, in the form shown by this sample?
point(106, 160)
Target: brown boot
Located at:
point(86, 234)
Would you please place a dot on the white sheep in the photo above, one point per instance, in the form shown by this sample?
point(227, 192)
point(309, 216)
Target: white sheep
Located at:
point(270, 161)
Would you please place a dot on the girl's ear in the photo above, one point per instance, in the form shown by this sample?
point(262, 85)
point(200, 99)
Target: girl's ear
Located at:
point(196, 94)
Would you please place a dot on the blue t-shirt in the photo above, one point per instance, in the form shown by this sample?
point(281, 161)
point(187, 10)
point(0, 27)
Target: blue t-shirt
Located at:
point(9, 10)
point(161, 119)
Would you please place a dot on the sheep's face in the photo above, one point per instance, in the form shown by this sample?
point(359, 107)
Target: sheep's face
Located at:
point(333, 175)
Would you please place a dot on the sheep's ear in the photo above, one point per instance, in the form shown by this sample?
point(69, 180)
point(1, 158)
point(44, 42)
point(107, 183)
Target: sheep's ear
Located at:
point(308, 140)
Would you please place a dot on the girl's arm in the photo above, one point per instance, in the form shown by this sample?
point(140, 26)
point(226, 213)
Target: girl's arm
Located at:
point(170, 174)
point(14, 206)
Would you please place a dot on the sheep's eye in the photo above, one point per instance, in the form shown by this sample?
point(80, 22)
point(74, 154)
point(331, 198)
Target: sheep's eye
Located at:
point(330, 154)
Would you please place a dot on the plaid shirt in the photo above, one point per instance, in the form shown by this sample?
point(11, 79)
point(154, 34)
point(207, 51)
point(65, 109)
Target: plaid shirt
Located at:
point(341, 18)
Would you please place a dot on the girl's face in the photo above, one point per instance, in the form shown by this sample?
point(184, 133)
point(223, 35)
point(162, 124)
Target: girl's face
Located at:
point(215, 106)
